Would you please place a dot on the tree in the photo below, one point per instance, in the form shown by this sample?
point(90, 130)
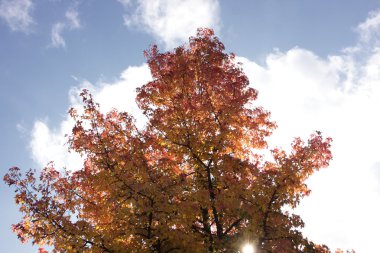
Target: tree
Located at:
point(193, 180)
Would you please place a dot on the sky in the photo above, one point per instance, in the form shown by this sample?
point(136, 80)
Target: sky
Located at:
point(316, 65)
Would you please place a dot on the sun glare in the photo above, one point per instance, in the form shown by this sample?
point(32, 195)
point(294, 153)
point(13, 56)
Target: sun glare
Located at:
point(248, 248)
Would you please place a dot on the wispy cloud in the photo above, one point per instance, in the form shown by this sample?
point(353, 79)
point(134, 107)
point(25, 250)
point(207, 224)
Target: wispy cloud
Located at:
point(172, 21)
point(125, 3)
point(72, 17)
point(17, 14)
point(72, 22)
point(369, 26)
point(56, 35)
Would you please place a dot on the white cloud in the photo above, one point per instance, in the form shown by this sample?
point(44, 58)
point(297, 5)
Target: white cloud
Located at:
point(16, 14)
point(56, 35)
point(72, 17)
point(339, 95)
point(50, 144)
point(122, 93)
point(370, 26)
point(173, 21)
point(72, 22)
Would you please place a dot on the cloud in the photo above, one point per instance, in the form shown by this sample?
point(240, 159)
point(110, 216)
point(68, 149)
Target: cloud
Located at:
point(72, 22)
point(125, 3)
point(173, 21)
point(56, 35)
point(16, 13)
point(370, 26)
point(340, 96)
point(50, 144)
point(72, 17)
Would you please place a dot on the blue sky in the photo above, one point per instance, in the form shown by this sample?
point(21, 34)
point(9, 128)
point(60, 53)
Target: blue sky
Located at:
point(316, 65)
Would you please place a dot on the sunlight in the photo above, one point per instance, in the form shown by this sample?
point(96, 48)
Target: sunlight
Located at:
point(248, 248)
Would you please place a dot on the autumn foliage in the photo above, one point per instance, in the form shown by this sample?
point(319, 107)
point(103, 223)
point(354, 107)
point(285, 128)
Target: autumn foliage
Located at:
point(193, 180)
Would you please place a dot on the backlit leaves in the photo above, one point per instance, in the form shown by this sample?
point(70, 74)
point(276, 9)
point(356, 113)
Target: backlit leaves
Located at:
point(191, 181)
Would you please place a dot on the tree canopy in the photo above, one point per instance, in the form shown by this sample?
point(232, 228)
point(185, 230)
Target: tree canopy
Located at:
point(194, 179)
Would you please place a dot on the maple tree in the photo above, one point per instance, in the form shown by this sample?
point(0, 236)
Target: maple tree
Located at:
point(193, 180)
